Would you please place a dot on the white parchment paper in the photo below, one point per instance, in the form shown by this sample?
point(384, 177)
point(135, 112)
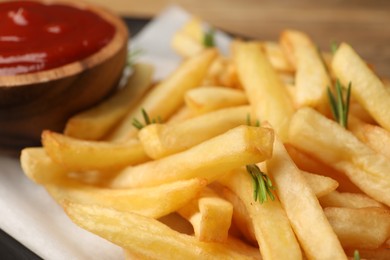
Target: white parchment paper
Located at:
point(29, 214)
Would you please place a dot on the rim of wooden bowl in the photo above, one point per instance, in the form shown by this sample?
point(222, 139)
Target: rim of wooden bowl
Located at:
point(120, 37)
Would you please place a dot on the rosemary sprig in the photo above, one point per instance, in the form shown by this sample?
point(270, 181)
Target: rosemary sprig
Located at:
point(132, 56)
point(262, 184)
point(137, 124)
point(249, 121)
point(209, 38)
point(333, 47)
point(339, 105)
point(356, 255)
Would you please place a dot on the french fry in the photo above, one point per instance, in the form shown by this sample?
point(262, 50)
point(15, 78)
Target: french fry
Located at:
point(210, 216)
point(160, 140)
point(222, 72)
point(167, 96)
point(146, 237)
point(180, 115)
point(185, 46)
point(268, 97)
point(342, 150)
point(373, 136)
point(348, 200)
point(306, 216)
point(360, 228)
point(151, 202)
point(367, 88)
point(271, 225)
point(307, 163)
point(39, 167)
point(95, 123)
point(211, 159)
point(206, 99)
point(321, 185)
point(80, 155)
point(276, 56)
point(311, 77)
point(240, 216)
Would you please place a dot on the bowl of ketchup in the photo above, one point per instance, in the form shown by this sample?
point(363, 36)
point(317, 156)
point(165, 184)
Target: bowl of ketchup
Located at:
point(56, 59)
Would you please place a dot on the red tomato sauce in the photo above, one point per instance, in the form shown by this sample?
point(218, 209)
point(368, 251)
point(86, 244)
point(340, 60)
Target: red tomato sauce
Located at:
point(37, 37)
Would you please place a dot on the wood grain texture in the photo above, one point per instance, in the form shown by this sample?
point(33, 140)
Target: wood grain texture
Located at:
point(364, 24)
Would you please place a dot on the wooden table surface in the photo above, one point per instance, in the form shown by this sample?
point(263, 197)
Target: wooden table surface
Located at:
point(365, 24)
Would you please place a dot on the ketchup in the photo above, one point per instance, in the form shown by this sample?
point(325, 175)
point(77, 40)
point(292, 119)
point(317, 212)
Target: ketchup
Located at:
point(37, 37)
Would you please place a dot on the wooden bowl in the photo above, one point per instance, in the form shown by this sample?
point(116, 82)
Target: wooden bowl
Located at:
point(41, 100)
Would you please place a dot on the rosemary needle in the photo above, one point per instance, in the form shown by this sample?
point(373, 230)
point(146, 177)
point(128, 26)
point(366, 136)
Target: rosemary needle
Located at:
point(340, 105)
point(137, 124)
point(262, 184)
point(209, 38)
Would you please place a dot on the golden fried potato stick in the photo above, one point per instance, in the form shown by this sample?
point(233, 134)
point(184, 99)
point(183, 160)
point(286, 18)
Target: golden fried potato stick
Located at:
point(308, 163)
point(331, 143)
point(39, 167)
point(211, 159)
point(272, 228)
point(277, 57)
point(306, 216)
point(321, 185)
point(96, 122)
point(81, 155)
point(348, 200)
point(268, 97)
point(160, 140)
point(210, 216)
point(167, 96)
point(374, 136)
point(210, 98)
point(147, 238)
point(367, 88)
point(311, 77)
point(151, 202)
point(360, 228)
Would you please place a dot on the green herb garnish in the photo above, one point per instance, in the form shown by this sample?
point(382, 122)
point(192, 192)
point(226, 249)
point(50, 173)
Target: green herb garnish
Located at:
point(249, 121)
point(339, 105)
point(209, 38)
point(137, 124)
point(333, 47)
point(356, 255)
point(132, 56)
point(262, 184)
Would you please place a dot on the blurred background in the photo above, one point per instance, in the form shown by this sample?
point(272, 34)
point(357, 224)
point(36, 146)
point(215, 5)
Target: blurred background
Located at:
point(362, 23)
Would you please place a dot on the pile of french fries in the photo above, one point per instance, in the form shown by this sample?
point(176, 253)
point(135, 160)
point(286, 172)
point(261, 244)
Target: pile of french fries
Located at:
point(176, 186)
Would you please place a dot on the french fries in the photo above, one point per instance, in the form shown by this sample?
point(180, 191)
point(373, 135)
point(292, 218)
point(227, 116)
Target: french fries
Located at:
point(151, 202)
point(210, 159)
point(167, 96)
point(210, 216)
point(341, 149)
point(311, 77)
point(81, 155)
point(271, 225)
point(367, 88)
point(95, 123)
point(160, 140)
point(303, 208)
point(206, 99)
point(266, 93)
point(365, 227)
point(146, 237)
point(186, 170)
